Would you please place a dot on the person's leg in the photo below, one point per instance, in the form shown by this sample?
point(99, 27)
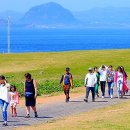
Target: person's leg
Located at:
point(12, 110)
point(104, 85)
point(4, 112)
point(101, 83)
point(96, 89)
point(28, 110)
point(93, 93)
point(35, 111)
point(118, 90)
point(109, 88)
point(121, 90)
point(87, 93)
point(67, 93)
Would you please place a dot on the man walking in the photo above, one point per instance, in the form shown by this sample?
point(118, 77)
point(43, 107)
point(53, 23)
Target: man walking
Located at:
point(67, 81)
point(90, 81)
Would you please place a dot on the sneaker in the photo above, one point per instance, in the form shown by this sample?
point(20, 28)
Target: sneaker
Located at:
point(102, 97)
point(111, 96)
point(36, 115)
point(5, 124)
point(86, 100)
point(27, 116)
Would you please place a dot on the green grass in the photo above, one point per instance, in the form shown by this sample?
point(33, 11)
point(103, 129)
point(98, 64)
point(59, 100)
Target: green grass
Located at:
point(47, 68)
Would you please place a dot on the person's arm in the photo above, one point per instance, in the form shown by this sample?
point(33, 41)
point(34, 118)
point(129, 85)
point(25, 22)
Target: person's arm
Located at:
point(62, 77)
point(100, 70)
point(71, 81)
point(85, 81)
point(35, 87)
point(95, 80)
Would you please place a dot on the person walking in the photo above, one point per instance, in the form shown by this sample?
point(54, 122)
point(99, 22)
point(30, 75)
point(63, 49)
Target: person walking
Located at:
point(110, 80)
point(30, 90)
point(119, 79)
point(67, 81)
point(90, 82)
point(103, 78)
point(4, 98)
point(125, 76)
point(14, 100)
point(97, 84)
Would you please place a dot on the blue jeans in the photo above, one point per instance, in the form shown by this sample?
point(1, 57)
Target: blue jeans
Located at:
point(120, 88)
point(4, 106)
point(92, 90)
point(110, 88)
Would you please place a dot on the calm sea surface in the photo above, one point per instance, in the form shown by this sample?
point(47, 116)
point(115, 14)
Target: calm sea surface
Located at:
point(53, 40)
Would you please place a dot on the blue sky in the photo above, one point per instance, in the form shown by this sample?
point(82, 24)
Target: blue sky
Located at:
point(73, 5)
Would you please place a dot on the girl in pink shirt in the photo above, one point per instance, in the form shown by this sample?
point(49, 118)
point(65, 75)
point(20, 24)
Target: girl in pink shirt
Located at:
point(14, 100)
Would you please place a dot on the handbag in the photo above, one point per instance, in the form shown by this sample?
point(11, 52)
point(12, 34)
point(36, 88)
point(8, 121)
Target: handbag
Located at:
point(29, 95)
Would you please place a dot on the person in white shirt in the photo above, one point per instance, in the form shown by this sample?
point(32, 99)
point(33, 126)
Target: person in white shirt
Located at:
point(103, 78)
point(119, 81)
point(4, 98)
point(90, 81)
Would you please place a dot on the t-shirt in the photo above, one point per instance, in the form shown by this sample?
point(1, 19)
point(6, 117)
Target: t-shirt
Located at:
point(111, 75)
point(120, 77)
point(90, 80)
point(4, 94)
point(14, 97)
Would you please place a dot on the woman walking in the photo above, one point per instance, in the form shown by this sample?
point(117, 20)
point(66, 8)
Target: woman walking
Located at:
point(110, 81)
point(4, 98)
point(30, 90)
point(103, 77)
point(97, 74)
point(125, 87)
point(119, 79)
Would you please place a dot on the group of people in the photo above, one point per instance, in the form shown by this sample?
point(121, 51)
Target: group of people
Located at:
point(99, 77)
point(10, 96)
point(96, 77)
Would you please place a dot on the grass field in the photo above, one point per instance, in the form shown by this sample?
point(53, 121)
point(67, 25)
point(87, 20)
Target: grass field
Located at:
point(116, 117)
point(47, 68)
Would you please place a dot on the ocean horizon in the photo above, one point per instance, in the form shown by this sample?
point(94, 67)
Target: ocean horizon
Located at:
point(58, 40)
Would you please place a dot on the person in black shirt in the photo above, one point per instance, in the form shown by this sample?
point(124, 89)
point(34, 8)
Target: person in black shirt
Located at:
point(30, 90)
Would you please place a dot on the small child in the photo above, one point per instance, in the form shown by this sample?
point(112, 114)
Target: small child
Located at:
point(14, 100)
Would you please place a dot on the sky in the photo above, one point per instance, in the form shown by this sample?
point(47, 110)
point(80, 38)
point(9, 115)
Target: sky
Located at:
point(73, 5)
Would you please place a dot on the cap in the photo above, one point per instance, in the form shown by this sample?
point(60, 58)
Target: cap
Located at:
point(90, 69)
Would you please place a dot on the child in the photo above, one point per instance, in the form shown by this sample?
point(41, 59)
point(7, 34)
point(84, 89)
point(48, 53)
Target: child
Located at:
point(4, 98)
point(14, 100)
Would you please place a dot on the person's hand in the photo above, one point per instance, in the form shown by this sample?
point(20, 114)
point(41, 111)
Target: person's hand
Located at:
point(35, 96)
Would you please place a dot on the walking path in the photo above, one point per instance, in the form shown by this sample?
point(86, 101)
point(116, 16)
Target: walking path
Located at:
point(48, 112)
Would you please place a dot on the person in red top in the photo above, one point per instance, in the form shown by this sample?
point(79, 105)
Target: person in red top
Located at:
point(67, 81)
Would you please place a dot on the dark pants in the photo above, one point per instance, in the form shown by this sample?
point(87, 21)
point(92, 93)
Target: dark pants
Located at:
point(103, 84)
point(66, 91)
point(92, 91)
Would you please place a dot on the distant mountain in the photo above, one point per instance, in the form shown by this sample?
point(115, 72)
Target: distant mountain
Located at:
point(111, 16)
point(48, 14)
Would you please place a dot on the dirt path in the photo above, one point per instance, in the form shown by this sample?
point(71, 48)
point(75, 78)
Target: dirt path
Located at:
point(55, 108)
